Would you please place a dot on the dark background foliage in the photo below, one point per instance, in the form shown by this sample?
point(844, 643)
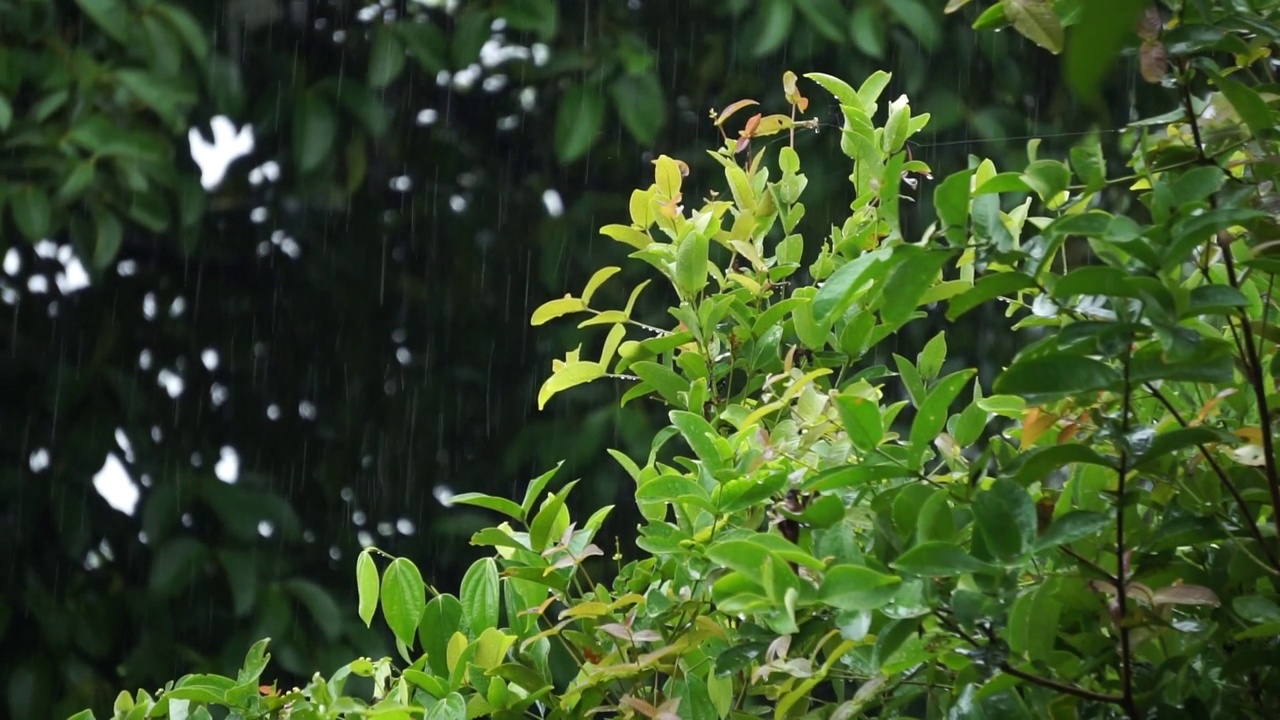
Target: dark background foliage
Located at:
point(372, 341)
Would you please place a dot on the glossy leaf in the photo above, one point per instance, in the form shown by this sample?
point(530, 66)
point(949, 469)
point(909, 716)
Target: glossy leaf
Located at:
point(852, 587)
point(366, 587)
point(939, 559)
point(479, 595)
point(1006, 517)
point(403, 597)
point(578, 122)
point(1056, 375)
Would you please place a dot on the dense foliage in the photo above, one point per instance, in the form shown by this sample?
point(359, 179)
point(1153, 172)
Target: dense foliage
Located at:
point(345, 313)
point(1092, 534)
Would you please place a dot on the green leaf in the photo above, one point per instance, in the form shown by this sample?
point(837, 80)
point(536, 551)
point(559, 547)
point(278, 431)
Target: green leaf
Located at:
point(1252, 108)
point(441, 619)
point(847, 283)
point(324, 610)
point(1089, 164)
point(988, 287)
point(31, 211)
point(700, 436)
point(6, 113)
point(168, 98)
point(1035, 465)
point(1197, 184)
point(939, 559)
point(112, 16)
point(536, 486)
point(908, 284)
point(628, 235)
point(772, 23)
point(193, 36)
point(826, 17)
point(569, 375)
point(386, 58)
point(1256, 609)
point(1056, 375)
point(1179, 439)
point(553, 309)
point(550, 516)
point(315, 127)
point(691, 264)
point(932, 416)
point(1096, 280)
point(479, 595)
point(867, 30)
point(1037, 21)
point(862, 421)
point(853, 587)
point(640, 105)
point(366, 586)
point(452, 707)
point(1096, 41)
point(108, 239)
point(578, 122)
point(661, 378)
point(668, 488)
point(919, 19)
point(1070, 527)
point(404, 599)
point(426, 44)
point(1192, 232)
point(540, 16)
point(951, 199)
point(930, 360)
point(1047, 177)
point(497, 504)
point(1006, 517)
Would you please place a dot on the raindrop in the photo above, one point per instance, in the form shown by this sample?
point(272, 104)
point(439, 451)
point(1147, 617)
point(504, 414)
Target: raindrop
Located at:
point(144, 359)
point(218, 393)
point(541, 54)
point(385, 529)
point(227, 146)
point(38, 284)
point(401, 183)
point(171, 382)
point(368, 13)
point(123, 441)
point(9, 295)
point(127, 268)
point(266, 529)
point(142, 536)
point(365, 538)
point(552, 201)
point(398, 336)
point(528, 98)
point(39, 460)
point(115, 486)
point(258, 215)
point(358, 517)
point(12, 261)
point(273, 412)
point(443, 77)
point(339, 36)
point(335, 554)
point(156, 434)
point(307, 410)
point(209, 358)
point(92, 561)
point(347, 494)
point(403, 356)
point(144, 480)
point(308, 536)
point(291, 248)
point(457, 203)
point(427, 117)
point(271, 169)
point(405, 526)
point(177, 307)
point(197, 460)
point(46, 250)
point(104, 548)
point(443, 495)
point(149, 306)
point(228, 466)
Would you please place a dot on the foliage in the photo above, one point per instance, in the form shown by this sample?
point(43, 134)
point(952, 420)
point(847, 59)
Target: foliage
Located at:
point(1093, 536)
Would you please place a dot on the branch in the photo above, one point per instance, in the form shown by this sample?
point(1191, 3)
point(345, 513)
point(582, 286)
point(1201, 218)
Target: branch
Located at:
point(1222, 476)
point(1122, 598)
point(1065, 688)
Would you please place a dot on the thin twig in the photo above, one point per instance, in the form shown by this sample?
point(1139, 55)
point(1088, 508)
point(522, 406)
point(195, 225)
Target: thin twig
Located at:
point(1222, 477)
point(1090, 564)
point(1122, 575)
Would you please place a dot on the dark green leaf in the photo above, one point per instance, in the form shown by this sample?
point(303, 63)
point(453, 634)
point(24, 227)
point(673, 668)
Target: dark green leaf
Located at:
point(826, 17)
point(700, 436)
point(578, 122)
point(441, 619)
point(1047, 177)
point(426, 44)
point(1197, 184)
point(1096, 280)
point(193, 36)
point(1035, 465)
point(386, 58)
point(1089, 164)
point(549, 517)
point(1192, 232)
point(540, 16)
point(908, 283)
point(853, 587)
point(1096, 41)
point(175, 564)
point(988, 287)
point(1037, 21)
point(939, 559)
point(314, 130)
point(1006, 517)
point(862, 421)
point(866, 28)
point(324, 610)
point(772, 25)
point(1056, 375)
point(536, 486)
point(1252, 108)
point(1072, 526)
point(847, 283)
point(640, 105)
point(932, 416)
point(1179, 439)
point(920, 19)
point(31, 211)
point(112, 16)
point(109, 237)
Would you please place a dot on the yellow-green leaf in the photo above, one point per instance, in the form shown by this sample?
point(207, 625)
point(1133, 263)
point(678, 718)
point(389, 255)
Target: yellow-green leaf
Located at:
point(628, 235)
point(569, 375)
point(555, 308)
point(667, 175)
point(596, 281)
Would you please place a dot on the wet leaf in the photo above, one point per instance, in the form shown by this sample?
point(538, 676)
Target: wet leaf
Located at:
point(1037, 21)
point(939, 559)
point(479, 595)
point(579, 118)
point(386, 58)
point(315, 128)
point(366, 587)
point(404, 600)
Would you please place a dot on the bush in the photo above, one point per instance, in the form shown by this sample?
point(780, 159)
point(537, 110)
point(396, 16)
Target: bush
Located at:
point(1094, 538)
